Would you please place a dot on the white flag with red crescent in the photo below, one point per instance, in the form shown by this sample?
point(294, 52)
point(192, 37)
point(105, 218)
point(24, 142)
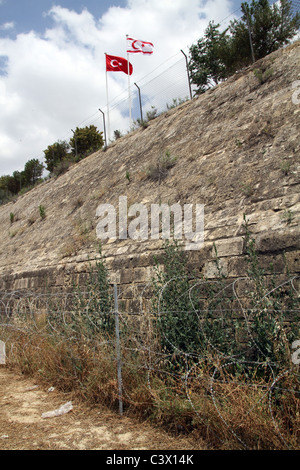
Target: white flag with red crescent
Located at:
point(135, 46)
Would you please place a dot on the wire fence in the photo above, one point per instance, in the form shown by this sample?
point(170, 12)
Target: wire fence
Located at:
point(165, 87)
point(205, 367)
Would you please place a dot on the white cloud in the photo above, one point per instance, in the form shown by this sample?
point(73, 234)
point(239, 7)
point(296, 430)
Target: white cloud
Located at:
point(56, 81)
point(7, 26)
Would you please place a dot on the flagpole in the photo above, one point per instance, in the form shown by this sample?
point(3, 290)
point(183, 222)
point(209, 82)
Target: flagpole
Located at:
point(107, 101)
point(128, 72)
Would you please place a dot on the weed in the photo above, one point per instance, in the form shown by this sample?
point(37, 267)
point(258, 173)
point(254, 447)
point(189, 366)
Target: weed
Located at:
point(285, 167)
point(248, 189)
point(268, 131)
point(117, 134)
point(263, 75)
point(159, 171)
point(31, 221)
point(77, 204)
point(42, 211)
point(13, 233)
point(142, 123)
point(151, 114)
point(287, 216)
point(269, 334)
point(176, 102)
point(12, 218)
point(98, 308)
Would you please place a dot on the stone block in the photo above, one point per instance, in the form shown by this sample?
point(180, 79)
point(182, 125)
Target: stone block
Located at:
point(142, 274)
point(229, 247)
point(274, 241)
point(211, 271)
point(126, 276)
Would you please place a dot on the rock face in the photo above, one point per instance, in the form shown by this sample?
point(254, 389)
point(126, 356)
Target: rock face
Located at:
point(237, 150)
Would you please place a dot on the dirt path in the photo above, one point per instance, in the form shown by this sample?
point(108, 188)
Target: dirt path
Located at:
point(23, 428)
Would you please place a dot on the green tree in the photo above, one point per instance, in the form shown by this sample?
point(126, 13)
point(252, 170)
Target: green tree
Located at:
point(10, 184)
point(271, 27)
point(33, 171)
point(55, 154)
point(85, 141)
point(207, 64)
point(218, 55)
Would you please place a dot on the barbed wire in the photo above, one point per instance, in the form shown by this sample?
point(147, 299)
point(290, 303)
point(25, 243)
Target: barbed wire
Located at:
point(71, 318)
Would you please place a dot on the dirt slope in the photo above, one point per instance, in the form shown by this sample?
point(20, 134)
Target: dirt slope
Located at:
point(23, 428)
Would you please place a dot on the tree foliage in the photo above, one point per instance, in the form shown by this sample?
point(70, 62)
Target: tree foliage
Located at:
point(217, 55)
point(207, 62)
point(272, 26)
point(13, 184)
point(56, 153)
point(58, 158)
point(85, 141)
point(33, 171)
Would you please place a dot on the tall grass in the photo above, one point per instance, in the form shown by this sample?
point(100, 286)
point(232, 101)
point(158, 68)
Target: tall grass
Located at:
point(243, 396)
point(212, 402)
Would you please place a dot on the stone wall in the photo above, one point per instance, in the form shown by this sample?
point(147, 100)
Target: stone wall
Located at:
point(237, 151)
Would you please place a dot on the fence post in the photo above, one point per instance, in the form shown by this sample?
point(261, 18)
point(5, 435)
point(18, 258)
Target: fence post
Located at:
point(188, 73)
point(246, 12)
point(2, 352)
point(75, 137)
point(140, 100)
point(104, 127)
point(118, 350)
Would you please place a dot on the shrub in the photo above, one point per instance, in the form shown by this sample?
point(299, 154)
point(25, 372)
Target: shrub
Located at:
point(160, 170)
point(42, 211)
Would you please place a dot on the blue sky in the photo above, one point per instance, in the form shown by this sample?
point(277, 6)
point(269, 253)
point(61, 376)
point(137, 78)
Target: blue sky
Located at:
point(52, 64)
point(29, 15)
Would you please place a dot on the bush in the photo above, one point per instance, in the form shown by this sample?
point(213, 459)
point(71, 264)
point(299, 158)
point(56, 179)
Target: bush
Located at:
point(160, 170)
point(86, 141)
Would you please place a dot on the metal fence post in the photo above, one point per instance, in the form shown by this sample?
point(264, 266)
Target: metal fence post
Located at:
point(75, 137)
point(188, 73)
point(140, 101)
point(2, 352)
point(104, 127)
point(118, 350)
point(246, 12)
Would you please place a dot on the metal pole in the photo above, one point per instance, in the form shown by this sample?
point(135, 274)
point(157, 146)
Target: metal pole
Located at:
point(108, 125)
point(250, 36)
point(188, 73)
point(75, 137)
point(118, 350)
point(140, 100)
point(129, 93)
point(104, 128)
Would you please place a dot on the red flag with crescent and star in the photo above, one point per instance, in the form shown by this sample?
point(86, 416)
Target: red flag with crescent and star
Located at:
point(118, 64)
point(135, 45)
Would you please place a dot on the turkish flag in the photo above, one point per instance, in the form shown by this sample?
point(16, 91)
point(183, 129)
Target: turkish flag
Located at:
point(118, 64)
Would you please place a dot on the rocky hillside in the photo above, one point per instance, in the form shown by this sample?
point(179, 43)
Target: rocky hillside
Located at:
point(237, 151)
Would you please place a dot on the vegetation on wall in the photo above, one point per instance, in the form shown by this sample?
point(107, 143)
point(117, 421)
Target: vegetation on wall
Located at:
point(219, 54)
point(58, 157)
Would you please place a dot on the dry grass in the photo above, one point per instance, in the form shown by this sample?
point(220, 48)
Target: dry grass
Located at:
point(228, 411)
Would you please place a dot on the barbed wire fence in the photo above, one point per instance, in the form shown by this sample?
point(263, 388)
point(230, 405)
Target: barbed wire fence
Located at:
point(135, 359)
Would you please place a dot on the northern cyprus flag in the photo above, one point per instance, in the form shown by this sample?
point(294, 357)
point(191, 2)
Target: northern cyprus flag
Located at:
point(135, 46)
